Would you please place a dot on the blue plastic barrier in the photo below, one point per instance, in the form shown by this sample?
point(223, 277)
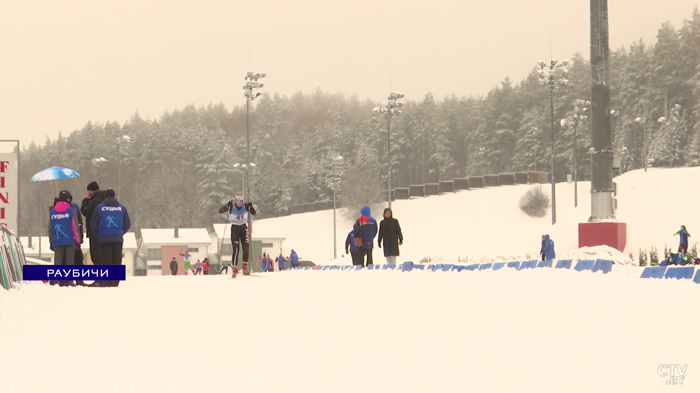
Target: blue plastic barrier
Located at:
point(407, 266)
point(653, 272)
point(563, 264)
point(603, 264)
point(472, 267)
point(498, 265)
point(515, 265)
point(388, 266)
point(544, 263)
point(458, 268)
point(697, 277)
point(485, 266)
point(584, 264)
point(359, 267)
point(447, 267)
point(528, 264)
point(680, 273)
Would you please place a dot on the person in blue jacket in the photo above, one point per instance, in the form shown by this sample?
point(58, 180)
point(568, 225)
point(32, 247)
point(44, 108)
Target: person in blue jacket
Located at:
point(63, 233)
point(365, 228)
point(548, 248)
point(110, 222)
point(294, 259)
point(280, 262)
point(354, 252)
point(683, 246)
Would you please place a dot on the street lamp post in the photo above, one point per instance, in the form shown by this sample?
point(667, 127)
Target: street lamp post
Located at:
point(481, 155)
point(251, 82)
point(120, 140)
point(641, 120)
point(391, 109)
point(552, 78)
point(579, 115)
point(675, 117)
point(95, 162)
point(243, 172)
point(536, 134)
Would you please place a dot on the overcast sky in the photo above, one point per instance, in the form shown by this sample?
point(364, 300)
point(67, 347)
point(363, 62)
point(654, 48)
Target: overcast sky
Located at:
point(64, 63)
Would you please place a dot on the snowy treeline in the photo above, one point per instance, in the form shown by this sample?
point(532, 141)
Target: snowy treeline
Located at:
point(178, 169)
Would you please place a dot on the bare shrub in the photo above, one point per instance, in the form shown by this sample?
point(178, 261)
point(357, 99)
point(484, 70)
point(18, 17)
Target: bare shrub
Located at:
point(535, 202)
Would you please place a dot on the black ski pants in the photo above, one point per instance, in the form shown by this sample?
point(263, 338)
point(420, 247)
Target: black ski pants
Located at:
point(111, 254)
point(361, 257)
point(239, 236)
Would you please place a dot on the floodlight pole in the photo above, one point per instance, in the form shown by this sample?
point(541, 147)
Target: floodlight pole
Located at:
point(251, 79)
point(551, 80)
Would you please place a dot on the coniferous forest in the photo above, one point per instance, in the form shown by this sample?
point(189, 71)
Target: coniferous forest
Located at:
point(177, 170)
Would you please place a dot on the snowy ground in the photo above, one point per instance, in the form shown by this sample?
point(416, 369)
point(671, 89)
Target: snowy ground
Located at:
point(486, 224)
point(543, 330)
point(345, 331)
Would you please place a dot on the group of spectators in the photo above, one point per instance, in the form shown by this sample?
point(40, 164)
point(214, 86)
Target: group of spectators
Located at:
point(360, 240)
point(106, 222)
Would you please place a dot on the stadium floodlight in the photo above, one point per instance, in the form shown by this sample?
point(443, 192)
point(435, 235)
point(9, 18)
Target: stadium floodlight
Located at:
point(391, 109)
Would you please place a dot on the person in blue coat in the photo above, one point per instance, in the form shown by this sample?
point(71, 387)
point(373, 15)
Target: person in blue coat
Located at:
point(548, 248)
point(110, 222)
point(352, 248)
point(294, 259)
point(365, 228)
point(280, 262)
point(683, 246)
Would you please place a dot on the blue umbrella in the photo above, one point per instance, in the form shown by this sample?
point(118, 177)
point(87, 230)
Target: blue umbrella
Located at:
point(55, 173)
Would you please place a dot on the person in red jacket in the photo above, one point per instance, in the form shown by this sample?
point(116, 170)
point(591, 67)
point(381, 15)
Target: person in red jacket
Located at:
point(205, 266)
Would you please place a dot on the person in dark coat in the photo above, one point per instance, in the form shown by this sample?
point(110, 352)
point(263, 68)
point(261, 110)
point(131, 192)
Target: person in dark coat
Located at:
point(65, 195)
point(354, 252)
point(390, 233)
point(173, 267)
point(365, 228)
point(110, 222)
point(93, 197)
point(542, 252)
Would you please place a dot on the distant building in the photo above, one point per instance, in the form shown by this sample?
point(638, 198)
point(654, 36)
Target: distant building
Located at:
point(267, 237)
point(159, 246)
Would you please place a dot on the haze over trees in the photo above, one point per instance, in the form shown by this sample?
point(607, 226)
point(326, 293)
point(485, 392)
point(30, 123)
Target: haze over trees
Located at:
point(177, 170)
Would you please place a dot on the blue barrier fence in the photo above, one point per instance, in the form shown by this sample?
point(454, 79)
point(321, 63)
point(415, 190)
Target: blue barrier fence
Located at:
point(599, 265)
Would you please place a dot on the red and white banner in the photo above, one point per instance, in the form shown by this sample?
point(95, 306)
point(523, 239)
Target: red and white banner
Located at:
point(9, 185)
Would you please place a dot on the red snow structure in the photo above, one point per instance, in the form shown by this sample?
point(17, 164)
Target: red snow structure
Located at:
point(613, 234)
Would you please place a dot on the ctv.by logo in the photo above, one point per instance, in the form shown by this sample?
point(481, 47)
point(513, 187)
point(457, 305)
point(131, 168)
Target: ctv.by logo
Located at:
point(674, 372)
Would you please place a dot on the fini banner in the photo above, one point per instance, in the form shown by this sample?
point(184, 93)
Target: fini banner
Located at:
point(9, 185)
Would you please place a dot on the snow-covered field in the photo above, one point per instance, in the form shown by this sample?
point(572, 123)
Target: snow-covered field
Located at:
point(486, 224)
point(543, 330)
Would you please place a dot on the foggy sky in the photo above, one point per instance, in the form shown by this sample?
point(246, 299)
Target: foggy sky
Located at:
point(64, 63)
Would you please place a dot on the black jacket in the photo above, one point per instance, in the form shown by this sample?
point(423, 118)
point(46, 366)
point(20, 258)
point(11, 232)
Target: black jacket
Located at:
point(390, 234)
point(88, 207)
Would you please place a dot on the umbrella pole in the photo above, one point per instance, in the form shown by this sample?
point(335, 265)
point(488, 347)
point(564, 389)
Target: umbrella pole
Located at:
point(55, 187)
point(40, 213)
